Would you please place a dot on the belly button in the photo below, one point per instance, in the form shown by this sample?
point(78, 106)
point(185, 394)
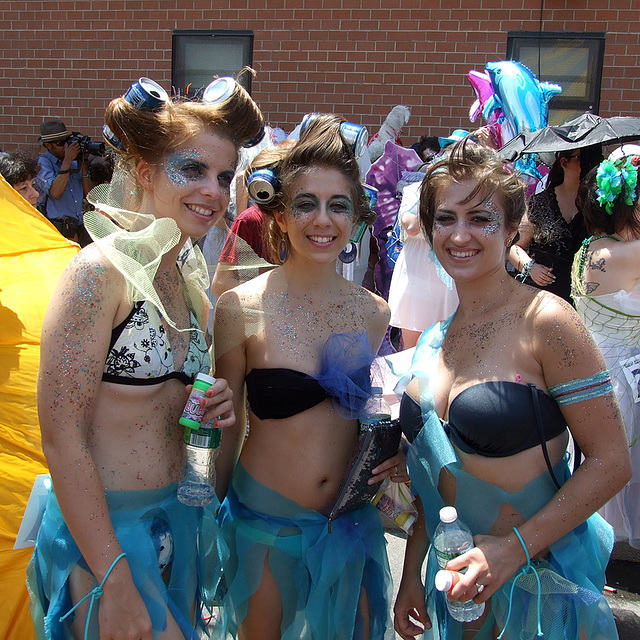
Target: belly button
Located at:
point(324, 481)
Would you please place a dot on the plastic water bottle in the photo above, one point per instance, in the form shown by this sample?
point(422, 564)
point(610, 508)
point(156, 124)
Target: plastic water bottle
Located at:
point(376, 410)
point(451, 539)
point(198, 482)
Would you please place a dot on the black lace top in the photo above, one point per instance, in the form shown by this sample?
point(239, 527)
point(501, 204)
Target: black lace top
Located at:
point(555, 241)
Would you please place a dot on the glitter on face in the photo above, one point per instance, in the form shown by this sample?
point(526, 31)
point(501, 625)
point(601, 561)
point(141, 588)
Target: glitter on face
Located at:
point(306, 205)
point(495, 223)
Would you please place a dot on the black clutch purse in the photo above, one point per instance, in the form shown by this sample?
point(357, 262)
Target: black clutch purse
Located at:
point(379, 442)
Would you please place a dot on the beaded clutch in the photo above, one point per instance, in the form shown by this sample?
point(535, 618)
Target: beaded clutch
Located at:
point(379, 442)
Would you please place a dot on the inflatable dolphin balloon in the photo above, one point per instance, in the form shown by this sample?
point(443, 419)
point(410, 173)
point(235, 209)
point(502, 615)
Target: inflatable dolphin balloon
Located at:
point(523, 99)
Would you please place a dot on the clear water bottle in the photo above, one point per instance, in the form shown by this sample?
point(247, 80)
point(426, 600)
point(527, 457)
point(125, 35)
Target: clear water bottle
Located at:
point(376, 410)
point(197, 485)
point(451, 539)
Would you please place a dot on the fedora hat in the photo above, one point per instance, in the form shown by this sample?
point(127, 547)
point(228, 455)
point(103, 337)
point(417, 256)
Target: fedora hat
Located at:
point(53, 130)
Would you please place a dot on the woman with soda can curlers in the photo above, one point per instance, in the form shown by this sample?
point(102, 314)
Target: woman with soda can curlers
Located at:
point(300, 340)
point(118, 556)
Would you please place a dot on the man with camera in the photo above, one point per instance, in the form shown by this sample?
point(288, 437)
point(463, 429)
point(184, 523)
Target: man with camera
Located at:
point(64, 180)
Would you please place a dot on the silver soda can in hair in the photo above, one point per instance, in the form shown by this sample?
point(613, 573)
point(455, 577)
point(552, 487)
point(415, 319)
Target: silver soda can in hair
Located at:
point(355, 135)
point(262, 186)
point(220, 90)
point(147, 95)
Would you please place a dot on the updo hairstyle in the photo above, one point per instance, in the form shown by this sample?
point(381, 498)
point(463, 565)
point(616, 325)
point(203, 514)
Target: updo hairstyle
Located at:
point(152, 135)
point(468, 161)
point(321, 145)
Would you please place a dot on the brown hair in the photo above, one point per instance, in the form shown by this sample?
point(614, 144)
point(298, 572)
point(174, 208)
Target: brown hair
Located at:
point(469, 161)
point(321, 145)
point(151, 135)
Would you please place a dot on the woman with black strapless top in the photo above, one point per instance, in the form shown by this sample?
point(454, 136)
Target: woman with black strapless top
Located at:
point(493, 394)
point(300, 340)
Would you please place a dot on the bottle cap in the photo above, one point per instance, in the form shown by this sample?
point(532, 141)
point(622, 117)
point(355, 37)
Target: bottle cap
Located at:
point(443, 580)
point(203, 381)
point(448, 515)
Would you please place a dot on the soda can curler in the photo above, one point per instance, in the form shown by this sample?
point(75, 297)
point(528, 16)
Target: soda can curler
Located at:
point(262, 186)
point(221, 90)
point(145, 94)
point(355, 135)
point(111, 138)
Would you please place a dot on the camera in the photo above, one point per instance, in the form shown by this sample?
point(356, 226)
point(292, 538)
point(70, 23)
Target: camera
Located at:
point(87, 146)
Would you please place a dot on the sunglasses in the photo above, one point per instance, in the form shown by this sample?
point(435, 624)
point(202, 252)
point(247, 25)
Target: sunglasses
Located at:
point(59, 143)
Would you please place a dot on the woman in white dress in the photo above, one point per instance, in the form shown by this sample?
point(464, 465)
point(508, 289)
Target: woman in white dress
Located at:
point(421, 291)
point(606, 291)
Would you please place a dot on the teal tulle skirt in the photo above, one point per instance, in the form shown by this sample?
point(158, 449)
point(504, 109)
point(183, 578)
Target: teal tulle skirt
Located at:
point(157, 533)
point(321, 576)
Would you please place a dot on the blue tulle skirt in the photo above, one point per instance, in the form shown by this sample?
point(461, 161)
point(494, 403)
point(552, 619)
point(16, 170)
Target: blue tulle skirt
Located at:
point(153, 528)
point(321, 576)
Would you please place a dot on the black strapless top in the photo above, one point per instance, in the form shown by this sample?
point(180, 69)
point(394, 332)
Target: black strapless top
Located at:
point(494, 419)
point(282, 393)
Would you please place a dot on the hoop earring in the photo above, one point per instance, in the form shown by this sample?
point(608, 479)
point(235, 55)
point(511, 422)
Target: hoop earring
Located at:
point(283, 250)
point(349, 253)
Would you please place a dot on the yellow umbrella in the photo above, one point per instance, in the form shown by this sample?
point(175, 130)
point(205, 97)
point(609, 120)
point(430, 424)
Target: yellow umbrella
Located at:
point(32, 257)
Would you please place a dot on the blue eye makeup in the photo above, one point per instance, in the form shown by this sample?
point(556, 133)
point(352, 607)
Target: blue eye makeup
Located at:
point(184, 167)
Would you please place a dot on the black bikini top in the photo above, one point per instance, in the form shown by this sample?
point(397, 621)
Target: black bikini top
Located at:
point(494, 419)
point(282, 393)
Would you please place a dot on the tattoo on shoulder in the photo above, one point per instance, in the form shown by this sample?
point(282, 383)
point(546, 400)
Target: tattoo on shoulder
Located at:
point(590, 287)
point(597, 265)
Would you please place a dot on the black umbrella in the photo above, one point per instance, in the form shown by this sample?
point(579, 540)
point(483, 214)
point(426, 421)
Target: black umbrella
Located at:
point(583, 131)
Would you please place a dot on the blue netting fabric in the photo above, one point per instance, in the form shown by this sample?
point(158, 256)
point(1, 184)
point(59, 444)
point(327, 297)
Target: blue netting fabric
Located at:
point(195, 571)
point(571, 576)
point(345, 372)
point(320, 575)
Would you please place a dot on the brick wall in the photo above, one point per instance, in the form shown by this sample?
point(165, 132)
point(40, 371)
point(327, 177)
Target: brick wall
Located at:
point(63, 59)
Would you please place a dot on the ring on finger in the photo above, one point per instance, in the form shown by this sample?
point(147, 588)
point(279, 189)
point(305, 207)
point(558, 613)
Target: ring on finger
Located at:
point(480, 587)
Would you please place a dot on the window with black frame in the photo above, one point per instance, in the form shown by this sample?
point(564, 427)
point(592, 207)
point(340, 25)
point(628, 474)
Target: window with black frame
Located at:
point(200, 55)
point(572, 60)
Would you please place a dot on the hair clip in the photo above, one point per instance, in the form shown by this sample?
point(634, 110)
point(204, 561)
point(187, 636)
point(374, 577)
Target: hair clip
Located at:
point(614, 178)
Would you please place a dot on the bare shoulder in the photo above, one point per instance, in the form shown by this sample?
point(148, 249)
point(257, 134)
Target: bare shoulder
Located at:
point(561, 342)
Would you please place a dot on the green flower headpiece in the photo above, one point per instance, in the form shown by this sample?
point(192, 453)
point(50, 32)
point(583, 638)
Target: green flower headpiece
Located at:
point(614, 178)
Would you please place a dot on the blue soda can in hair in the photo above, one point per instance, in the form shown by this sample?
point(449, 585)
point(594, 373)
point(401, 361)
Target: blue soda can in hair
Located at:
point(145, 94)
point(111, 138)
point(262, 186)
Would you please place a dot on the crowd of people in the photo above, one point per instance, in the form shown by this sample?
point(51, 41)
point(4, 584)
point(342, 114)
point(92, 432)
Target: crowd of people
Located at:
point(526, 310)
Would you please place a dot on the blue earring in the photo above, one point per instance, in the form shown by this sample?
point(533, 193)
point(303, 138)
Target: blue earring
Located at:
point(349, 253)
point(283, 250)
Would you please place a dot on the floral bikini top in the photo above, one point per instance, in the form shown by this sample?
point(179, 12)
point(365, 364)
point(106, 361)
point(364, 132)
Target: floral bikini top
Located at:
point(140, 353)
